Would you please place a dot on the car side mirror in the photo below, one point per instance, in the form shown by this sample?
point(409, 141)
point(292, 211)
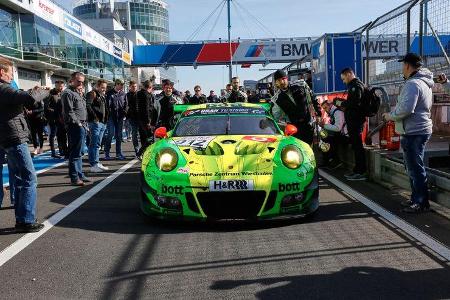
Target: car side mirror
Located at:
point(290, 130)
point(161, 132)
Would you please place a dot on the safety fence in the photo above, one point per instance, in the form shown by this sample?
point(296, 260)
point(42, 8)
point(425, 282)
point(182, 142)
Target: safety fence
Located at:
point(419, 26)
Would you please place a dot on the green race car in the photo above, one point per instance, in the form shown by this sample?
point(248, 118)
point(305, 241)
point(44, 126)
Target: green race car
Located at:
point(228, 161)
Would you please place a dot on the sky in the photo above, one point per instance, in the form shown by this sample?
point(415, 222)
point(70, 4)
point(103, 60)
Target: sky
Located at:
point(282, 18)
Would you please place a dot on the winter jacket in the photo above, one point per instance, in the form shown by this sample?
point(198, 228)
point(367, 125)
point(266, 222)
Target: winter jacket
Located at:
point(117, 104)
point(412, 114)
point(197, 99)
point(164, 110)
point(50, 106)
point(97, 110)
point(73, 107)
point(236, 96)
point(132, 106)
point(291, 106)
point(13, 126)
point(145, 107)
point(353, 112)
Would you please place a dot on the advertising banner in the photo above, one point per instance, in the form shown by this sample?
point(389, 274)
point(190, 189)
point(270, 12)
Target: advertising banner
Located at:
point(275, 51)
point(48, 11)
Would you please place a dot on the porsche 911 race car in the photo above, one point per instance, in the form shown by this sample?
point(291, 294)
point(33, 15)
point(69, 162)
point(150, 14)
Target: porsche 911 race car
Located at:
point(228, 161)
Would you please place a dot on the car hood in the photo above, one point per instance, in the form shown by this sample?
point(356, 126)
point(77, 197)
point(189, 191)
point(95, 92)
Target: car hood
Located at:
point(229, 155)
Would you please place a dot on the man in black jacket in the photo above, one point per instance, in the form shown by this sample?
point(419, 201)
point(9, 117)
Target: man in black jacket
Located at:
point(235, 95)
point(97, 113)
point(212, 98)
point(292, 103)
point(117, 108)
point(164, 107)
point(13, 141)
point(355, 119)
point(145, 113)
point(132, 115)
point(35, 114)
point(75, 117)
point(198, 97)
point(51, 114)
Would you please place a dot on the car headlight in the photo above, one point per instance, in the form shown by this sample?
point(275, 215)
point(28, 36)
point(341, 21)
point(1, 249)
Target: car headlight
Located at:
point(167, 159)
point(292, 157)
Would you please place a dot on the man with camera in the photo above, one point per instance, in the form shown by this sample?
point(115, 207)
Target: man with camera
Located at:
point(334, 133)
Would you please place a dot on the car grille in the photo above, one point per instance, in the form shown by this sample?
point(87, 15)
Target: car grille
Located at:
point(231, 205)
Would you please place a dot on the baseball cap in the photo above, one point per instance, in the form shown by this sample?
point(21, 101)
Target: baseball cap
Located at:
point(412, 59)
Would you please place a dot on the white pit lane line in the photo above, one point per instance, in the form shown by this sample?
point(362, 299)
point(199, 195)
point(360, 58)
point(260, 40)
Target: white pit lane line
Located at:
point(16, 247)
point(414, 232)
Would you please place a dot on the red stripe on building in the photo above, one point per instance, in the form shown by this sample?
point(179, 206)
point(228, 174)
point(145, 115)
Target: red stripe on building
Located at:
point(217, 52)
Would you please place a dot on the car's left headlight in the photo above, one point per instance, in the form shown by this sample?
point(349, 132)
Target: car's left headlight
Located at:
point(167, 159)
point(291, 157)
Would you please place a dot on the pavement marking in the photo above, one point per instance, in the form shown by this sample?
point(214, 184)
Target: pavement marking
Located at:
point(413, 231)
point(16, 247)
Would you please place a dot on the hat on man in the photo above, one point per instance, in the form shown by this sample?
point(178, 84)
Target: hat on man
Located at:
point(279, 74)
point(412, 59)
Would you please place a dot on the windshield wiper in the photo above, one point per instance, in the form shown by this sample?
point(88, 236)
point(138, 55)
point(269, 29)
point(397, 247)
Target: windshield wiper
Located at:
point(227, 129)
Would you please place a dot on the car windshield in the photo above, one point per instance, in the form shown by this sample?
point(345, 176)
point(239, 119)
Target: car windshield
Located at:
point(225, 125)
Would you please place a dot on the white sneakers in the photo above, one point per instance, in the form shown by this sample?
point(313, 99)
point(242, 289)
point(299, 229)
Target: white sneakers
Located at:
point(99, 168)
point(103, 167)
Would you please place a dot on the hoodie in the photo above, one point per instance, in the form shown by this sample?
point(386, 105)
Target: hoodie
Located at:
point(412, 114)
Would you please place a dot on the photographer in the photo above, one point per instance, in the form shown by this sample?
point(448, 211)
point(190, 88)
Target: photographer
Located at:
point(337, 134)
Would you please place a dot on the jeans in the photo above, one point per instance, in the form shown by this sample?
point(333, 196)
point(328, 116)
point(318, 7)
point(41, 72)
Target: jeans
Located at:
point(12, 189)
point(114, 128)
point(354, 132)
point(413, 153)
point(97, 130)
point(134, 134)
point(21, 165)
point(77, 136)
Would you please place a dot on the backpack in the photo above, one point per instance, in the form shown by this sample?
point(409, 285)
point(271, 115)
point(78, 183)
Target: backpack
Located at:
point(370, 103)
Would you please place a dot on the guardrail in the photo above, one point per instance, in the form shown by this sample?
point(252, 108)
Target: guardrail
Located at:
point(385, 169)
point(390, 171)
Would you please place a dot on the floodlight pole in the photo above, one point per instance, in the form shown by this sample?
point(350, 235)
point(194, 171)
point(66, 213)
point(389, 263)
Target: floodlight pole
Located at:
point(230, 69)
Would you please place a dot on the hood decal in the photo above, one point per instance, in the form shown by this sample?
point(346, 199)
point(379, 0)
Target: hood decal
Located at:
point(193, 141)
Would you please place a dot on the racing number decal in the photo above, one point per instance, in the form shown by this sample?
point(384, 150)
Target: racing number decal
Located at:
point(196, 142)
point(259, 139)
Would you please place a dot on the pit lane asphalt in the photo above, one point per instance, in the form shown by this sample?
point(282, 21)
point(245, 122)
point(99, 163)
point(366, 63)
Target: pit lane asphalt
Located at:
point(105, 249)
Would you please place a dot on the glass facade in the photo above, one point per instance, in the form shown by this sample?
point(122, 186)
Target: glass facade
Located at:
point(151, 19)
point(45, 42)
point(10, 42)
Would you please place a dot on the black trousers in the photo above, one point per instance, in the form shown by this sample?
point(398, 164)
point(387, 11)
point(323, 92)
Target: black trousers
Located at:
point(37, 132)
point(61, 137)
point(146, 137)
point(355, 130)
point(305, 133)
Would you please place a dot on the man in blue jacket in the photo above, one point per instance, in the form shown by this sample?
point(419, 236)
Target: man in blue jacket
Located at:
point(117, 108)
point(412, 116)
